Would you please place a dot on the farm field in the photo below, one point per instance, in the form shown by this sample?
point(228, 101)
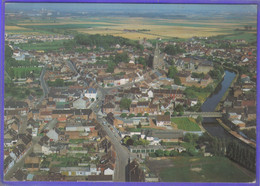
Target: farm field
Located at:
point(186, 124)
point(199, 169)
point(121, 26)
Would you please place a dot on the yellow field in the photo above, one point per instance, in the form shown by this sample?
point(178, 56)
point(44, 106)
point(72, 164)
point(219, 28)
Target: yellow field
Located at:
point(15, 28)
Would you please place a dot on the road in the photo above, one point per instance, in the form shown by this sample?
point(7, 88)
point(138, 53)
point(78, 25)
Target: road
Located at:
point(19, 164)
point(43, 84)
point(72, 67)
point(122, 153)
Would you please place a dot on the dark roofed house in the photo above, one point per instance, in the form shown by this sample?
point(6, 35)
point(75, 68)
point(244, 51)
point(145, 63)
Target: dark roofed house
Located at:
point(110, 118)
point(251, 113)
point(105, 178)
point(20, 175)
point(134, 174)
point(163, 120)
point(109, 107)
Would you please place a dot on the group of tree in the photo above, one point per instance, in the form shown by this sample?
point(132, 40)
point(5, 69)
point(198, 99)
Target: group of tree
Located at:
point(198, 75)
point(105, 41)
point(134, 141)
point(125, 103)
point(217, 72)
point(173, 50)
point(172, 73)
point(56, 83)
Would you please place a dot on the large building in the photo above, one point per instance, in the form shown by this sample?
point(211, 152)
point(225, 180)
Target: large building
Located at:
point(158, 62)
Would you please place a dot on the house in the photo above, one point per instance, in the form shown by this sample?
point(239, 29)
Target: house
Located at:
point(99, 178)
point(169, 135)
point(20, 106)
point(19, 175)
point(8, 164)
point(91, 93)
point(32, 162)
point(80, 103)
point(18, 152)
point(163, 120)
point(185, 76)
point(80, 127)
point(238, 123)
point(245, 78)
point(59, 98)
point(205, 67)
point(62, 115)
point(135, 173)
point(192, 102)
point(110, 118)
point(53, 134)
point(79, 171)
point(251, 113)
point(109, 107)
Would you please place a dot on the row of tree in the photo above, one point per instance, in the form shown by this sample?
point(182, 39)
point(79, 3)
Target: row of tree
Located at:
point(241, 154)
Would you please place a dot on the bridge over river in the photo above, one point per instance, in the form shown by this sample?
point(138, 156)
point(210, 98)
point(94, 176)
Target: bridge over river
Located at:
point(204, 114)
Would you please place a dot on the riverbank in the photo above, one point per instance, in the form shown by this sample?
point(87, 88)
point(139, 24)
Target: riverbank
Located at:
point(235, 134)
point(229, 89)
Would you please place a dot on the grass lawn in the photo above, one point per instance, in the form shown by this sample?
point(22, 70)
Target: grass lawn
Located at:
point(54, 45)
point(186, 124)
point(204, 169)
point(22, 72)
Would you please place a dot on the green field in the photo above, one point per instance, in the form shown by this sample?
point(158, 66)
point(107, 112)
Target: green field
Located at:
point(51, 45)
point(247, 36)
point(22, 72)
point(204, 169)
point(186, 124)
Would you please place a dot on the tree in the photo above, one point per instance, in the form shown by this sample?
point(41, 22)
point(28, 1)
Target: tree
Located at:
point(174, 153)
point(166, 153)
point(172, 50)
point(139, 115)
point(174, 113)
point(59, 83)
point(159, 153)
point(199, 119)
point(139, 125)
point(191, 138)
point(146, 115)
point(125, 103)
point(123, 57)
point(123, 115)
point(179, 108)
point(167, 113)
point(110, 67)
point(131, 115)
point(92, 99)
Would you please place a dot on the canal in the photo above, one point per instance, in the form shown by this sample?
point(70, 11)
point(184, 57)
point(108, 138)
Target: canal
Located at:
point(210, 124)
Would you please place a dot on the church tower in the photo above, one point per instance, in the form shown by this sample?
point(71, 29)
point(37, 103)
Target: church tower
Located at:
point(158, 62)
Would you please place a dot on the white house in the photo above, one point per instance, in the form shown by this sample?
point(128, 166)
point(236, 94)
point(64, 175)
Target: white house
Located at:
point(91, 93)
point(150, 94)
point(80, 103)
point(52, 134)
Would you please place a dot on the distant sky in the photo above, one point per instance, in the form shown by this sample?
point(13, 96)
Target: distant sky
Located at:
point(165, 8)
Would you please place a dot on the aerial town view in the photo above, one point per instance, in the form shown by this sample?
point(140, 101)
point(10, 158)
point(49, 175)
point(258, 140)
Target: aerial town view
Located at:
point(129, 92)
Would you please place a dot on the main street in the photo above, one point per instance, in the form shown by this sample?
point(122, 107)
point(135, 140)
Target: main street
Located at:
point(122, 153)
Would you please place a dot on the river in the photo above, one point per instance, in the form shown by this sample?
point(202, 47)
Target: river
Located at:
point(210, 124)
